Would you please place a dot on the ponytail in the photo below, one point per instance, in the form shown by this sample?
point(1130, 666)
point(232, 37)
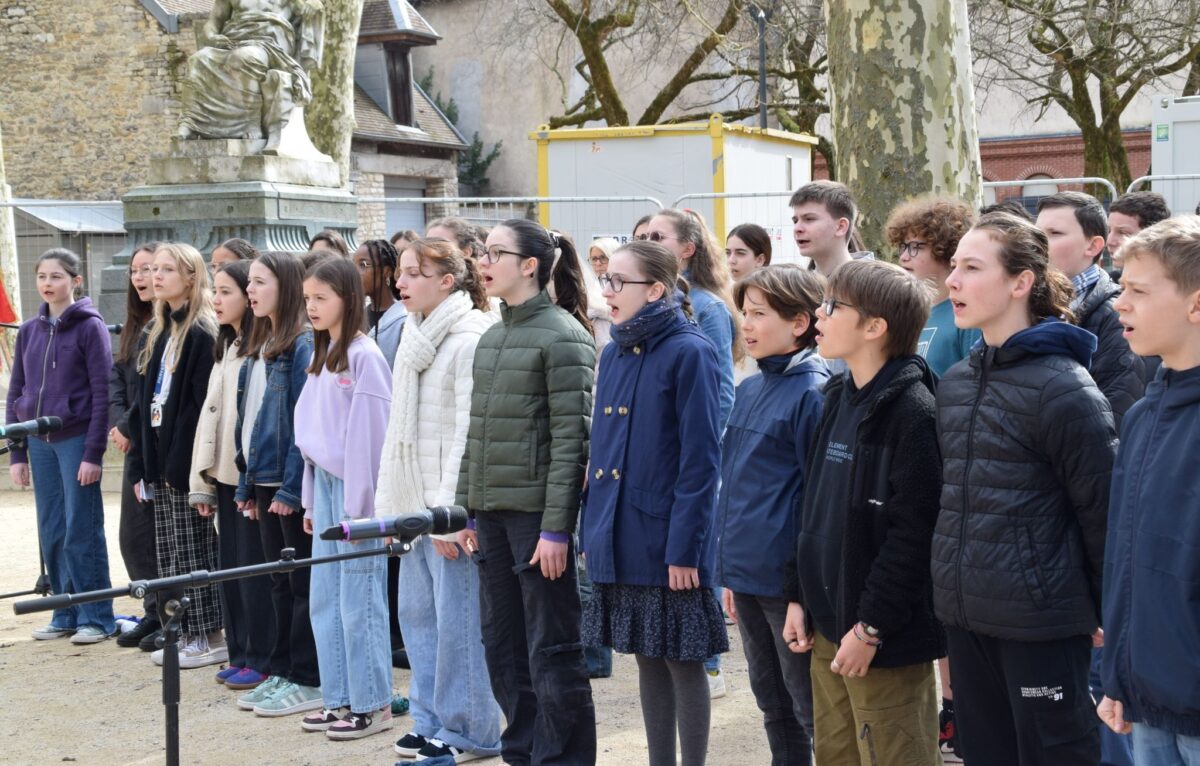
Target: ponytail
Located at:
point(445, 258)
point(546, 246)
point(1024, 247)
point(569, 289)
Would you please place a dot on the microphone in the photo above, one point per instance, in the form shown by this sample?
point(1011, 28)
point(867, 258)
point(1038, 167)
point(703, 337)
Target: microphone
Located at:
point(40, 427)
point(115, 329)
point(439, 520)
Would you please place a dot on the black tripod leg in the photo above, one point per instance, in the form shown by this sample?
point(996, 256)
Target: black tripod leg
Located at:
point(176, 609)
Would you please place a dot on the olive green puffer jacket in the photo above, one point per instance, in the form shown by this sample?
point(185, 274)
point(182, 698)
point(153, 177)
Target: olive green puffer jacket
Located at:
point(531, 408)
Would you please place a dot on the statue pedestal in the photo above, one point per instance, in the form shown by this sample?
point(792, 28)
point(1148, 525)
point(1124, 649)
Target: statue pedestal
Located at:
point(229, 160)
point(271, 216)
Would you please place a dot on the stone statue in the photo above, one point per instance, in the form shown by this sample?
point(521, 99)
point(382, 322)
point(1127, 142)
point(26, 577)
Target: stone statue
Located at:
point(250, 76)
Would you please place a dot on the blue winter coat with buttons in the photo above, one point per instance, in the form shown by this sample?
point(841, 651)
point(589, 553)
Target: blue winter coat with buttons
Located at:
point(655, 460)
point(764, 454)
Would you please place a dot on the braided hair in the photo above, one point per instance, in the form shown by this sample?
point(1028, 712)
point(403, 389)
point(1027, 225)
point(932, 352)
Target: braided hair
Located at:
point(383, 256)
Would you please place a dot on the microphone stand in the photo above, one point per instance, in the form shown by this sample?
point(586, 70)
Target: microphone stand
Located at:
point(176, 608)
point(41, 586)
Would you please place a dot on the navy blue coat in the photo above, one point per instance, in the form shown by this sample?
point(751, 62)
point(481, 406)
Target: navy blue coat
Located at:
point(1152, 560)
point(764, 455)
point(655, 460)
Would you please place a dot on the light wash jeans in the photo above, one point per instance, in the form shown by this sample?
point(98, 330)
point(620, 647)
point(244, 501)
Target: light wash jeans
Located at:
point(70, 521)
point(1159, 747)
point(348, 610)
point(450, 691)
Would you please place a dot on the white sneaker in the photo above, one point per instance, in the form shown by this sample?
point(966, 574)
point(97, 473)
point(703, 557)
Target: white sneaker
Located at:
point(716, 684)
point(198, 652)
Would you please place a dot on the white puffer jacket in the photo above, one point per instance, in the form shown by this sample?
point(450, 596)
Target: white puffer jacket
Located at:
point(444, 414)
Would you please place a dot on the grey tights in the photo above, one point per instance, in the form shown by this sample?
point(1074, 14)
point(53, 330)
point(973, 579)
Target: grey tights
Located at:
point(674, 694)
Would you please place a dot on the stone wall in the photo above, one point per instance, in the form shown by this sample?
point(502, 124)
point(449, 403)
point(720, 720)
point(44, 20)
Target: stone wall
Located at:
point(90, 93)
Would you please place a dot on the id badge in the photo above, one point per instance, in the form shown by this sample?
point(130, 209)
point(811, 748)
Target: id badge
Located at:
point(156, 415)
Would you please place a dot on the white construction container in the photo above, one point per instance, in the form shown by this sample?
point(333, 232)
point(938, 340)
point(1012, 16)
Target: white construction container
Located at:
point(668, 163)
point(1174, 138)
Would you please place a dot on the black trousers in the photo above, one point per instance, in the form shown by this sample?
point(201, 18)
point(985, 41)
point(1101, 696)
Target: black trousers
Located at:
point(1023, 703)
point(249, 613)
point(779, 678)
point(294, 654)
point(136, 536)
point(531, 641)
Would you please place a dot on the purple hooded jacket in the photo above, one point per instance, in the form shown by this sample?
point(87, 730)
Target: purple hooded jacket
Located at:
point(62, 369)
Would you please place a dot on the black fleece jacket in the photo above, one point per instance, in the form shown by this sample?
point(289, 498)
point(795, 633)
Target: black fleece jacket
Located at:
point(890, 509)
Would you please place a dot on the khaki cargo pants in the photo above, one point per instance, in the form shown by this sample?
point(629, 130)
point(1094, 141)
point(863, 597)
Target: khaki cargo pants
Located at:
point(887, 718)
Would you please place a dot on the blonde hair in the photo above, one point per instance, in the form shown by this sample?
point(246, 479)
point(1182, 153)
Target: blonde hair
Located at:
point(1175, 242)
point(199, 304)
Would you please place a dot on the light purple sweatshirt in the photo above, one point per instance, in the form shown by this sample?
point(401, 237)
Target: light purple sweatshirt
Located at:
point(341, 421)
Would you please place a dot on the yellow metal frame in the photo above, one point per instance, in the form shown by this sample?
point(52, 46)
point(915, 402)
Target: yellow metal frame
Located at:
point(716, 128)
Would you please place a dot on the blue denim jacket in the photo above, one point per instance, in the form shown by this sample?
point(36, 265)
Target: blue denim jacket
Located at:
point(715, 321)
point(273, 457)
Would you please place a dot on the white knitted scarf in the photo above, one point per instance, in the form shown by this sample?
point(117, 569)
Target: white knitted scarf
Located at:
point(418, 347)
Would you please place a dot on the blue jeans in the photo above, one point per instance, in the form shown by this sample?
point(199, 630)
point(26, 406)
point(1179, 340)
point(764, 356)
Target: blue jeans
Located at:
point(71, 530)
point(348, 609)
point(1115, 749)
point(1159, 747)
point(438, 609)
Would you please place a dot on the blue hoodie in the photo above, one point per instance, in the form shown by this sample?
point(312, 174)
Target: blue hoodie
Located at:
point(1054, 336)
point(1152, 559)
point(763, 457)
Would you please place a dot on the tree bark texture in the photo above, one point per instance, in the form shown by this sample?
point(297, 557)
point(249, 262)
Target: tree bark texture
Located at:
point(330, 116)
point(903, 105)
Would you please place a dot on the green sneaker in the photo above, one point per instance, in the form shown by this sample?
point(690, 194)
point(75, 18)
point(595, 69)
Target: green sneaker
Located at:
point(288, 699)
point(256, 695)
point(399, 705)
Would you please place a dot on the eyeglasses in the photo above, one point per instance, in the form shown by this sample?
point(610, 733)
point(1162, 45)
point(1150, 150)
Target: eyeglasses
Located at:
point(598, 259)
point(654, 236)
point(493, 254)
point(912, 248)
point(830, 305)
point(144, 271)
point(642, 237)
point(617, 282)
point(364, 265)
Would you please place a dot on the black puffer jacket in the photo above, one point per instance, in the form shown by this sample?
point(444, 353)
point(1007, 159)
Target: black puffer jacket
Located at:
point(1027, 444)
point(1119, 373)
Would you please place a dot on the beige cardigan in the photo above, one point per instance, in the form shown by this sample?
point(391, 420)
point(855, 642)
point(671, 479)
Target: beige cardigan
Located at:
point(213, 452)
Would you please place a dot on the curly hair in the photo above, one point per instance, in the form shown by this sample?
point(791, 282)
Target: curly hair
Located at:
point(940, 222)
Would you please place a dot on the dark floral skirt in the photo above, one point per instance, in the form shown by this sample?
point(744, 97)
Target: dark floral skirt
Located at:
point(655, 621)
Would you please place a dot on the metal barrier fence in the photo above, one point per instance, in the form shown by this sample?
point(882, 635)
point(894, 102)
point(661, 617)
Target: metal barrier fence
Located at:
point(1182, 190)
point(585, 218)
point(1112, 189)
point(770, 210)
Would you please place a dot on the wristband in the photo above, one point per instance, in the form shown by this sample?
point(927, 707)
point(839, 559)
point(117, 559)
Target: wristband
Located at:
point(860, 632)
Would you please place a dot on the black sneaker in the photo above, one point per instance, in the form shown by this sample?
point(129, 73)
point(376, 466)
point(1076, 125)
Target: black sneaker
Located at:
point(948, 737)
point(438, 749)
point(148, 644)
point(410, 744)
point(141, 630)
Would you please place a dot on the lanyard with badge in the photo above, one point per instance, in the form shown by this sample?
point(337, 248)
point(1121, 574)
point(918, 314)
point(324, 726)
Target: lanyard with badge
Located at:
point(162, 387)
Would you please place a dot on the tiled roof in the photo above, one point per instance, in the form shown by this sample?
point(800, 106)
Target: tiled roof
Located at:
point(433, 129)
point(383, 17)
point(187, 7)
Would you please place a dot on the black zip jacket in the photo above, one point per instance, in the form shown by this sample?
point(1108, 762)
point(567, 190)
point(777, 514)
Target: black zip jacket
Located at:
point(891, 508)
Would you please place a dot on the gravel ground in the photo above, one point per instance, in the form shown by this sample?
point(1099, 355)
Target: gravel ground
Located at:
point(101, 704)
